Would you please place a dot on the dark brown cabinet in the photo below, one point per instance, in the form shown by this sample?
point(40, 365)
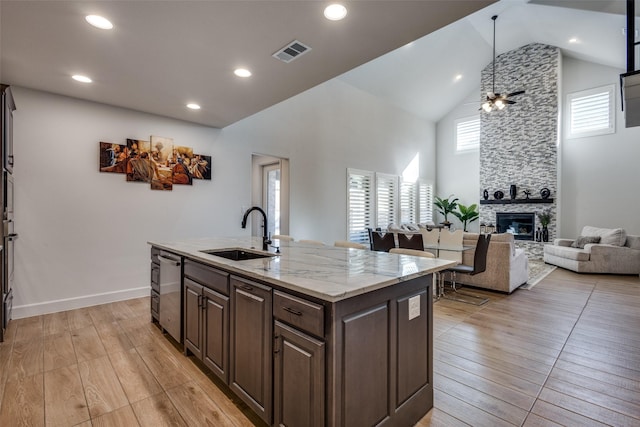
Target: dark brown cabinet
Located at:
point(206, 317)
point(251, 345)
point(300, 361)
point(298, 369)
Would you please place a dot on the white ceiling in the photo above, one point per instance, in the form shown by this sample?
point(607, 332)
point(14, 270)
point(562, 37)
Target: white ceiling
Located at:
point(164, 54)
point(420, 77)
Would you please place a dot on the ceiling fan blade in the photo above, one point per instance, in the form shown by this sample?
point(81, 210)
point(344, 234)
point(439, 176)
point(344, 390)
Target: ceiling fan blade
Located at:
point(507, 101)
point(520, 92)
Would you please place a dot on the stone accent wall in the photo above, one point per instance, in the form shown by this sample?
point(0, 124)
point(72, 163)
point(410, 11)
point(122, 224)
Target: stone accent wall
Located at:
point(518, 145)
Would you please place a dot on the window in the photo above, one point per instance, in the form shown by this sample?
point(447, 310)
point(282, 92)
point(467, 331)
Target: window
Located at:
point(359, 204)
point(425, 202)
point(386, 196)
point(467, 134)
point(378, 199)
point(408, 202)
point(591, 112)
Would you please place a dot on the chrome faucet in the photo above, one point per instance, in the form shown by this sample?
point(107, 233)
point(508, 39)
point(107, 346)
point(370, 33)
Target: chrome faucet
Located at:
point(266, 241)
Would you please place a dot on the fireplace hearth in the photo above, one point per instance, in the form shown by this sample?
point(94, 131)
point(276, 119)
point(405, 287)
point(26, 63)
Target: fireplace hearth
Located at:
point(521, 225)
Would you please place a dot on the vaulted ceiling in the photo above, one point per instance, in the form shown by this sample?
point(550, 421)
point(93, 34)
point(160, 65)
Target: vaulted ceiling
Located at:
point(162, 55)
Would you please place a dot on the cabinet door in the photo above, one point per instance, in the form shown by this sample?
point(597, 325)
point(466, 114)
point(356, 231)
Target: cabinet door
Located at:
point(298, 372)
point(192, 317)
point(251, 358)
point(215, 324)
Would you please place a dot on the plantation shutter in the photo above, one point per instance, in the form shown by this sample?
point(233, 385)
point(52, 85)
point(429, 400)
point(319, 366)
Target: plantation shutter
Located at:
point(359, 204)
point(425, 202)
point(408, 202)
point(591, 112)
point(386, 201)
point(468, 134)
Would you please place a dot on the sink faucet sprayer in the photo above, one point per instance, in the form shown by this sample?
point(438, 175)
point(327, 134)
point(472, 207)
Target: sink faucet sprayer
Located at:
point(265, 238)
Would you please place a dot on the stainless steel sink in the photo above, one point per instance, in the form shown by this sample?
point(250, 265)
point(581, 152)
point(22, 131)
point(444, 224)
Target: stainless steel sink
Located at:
point(237, 254)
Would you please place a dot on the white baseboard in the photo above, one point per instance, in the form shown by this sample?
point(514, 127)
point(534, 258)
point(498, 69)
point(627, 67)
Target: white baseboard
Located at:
point(29, 310)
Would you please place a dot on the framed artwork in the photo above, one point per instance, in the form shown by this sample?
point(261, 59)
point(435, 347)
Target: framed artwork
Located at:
point(180, 167)
point(139, 167)
point(113, 157)
point(161, 159)
point(157, 161)
point(200, 166)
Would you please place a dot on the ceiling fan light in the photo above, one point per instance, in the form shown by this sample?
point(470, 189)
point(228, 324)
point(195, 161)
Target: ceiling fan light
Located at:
point(486, 107)
point(499, 104)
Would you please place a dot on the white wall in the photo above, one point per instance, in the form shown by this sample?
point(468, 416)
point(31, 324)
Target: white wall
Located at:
point(598, 175)
point(83, 234)
point(458, 173)
point(323, 132)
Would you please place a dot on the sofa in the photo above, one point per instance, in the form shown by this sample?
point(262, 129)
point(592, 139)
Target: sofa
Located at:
point(596, 250)
point(507, 266)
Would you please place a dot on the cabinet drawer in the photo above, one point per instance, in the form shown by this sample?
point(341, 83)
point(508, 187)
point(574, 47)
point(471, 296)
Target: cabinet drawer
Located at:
point(297, 312)
point(154, 254)
point(207, 276)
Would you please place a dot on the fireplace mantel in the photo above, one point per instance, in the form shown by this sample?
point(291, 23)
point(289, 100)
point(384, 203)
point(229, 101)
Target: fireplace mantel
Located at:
point(514, 201)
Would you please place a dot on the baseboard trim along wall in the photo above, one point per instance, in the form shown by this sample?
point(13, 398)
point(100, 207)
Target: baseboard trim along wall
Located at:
point(29, 310)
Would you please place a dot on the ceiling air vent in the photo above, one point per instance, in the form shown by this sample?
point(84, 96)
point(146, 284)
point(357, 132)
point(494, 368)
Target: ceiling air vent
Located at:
point(291, 51)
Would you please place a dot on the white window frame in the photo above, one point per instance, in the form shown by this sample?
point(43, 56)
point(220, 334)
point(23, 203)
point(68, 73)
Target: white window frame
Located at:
point(585, 95)
point(357, 231)
point(467, 123)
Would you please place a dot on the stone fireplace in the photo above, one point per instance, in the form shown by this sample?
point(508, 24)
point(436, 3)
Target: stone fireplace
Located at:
point(519, 145)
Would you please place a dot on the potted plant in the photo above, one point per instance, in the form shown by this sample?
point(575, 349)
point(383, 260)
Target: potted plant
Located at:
point(544, 218)
point(445, 207)
point(467, 214)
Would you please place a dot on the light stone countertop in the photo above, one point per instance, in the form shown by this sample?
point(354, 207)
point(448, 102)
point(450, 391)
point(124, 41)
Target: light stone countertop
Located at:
point(325, 272)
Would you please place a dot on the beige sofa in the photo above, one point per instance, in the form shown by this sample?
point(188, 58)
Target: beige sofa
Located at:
point(507, 266)
point(615, 253)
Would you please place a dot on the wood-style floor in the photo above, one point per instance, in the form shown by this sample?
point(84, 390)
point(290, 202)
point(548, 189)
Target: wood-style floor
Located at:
point(566, 352)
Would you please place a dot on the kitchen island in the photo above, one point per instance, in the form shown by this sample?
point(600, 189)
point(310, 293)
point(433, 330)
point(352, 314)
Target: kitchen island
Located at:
point(312, 335)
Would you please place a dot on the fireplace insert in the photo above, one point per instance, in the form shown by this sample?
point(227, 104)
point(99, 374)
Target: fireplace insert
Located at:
point(521, 225)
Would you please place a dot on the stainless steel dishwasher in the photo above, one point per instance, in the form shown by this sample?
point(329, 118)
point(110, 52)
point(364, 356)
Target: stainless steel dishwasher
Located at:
point(170, 294)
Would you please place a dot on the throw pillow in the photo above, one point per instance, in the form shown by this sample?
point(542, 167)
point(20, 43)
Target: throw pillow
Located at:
point(583, 240)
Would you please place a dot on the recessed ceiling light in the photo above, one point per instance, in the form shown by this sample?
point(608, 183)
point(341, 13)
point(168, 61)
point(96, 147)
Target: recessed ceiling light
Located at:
point(573, 40)
point(193, 106)
point(242, 72)
point(458, 77)
point(99, 22)
point(335, 12)
point(81, 78)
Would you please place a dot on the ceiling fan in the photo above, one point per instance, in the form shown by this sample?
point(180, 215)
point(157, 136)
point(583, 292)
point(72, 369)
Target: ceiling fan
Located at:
point(495, 100)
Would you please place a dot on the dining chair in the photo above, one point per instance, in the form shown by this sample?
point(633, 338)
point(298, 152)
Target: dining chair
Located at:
point(479, 266)
point(413, 252)
point(451, 239)
point(282, 237)
point(348, 244)
point(430, 237)
point(410, 241)
point(312, 242)
point(380, 241)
